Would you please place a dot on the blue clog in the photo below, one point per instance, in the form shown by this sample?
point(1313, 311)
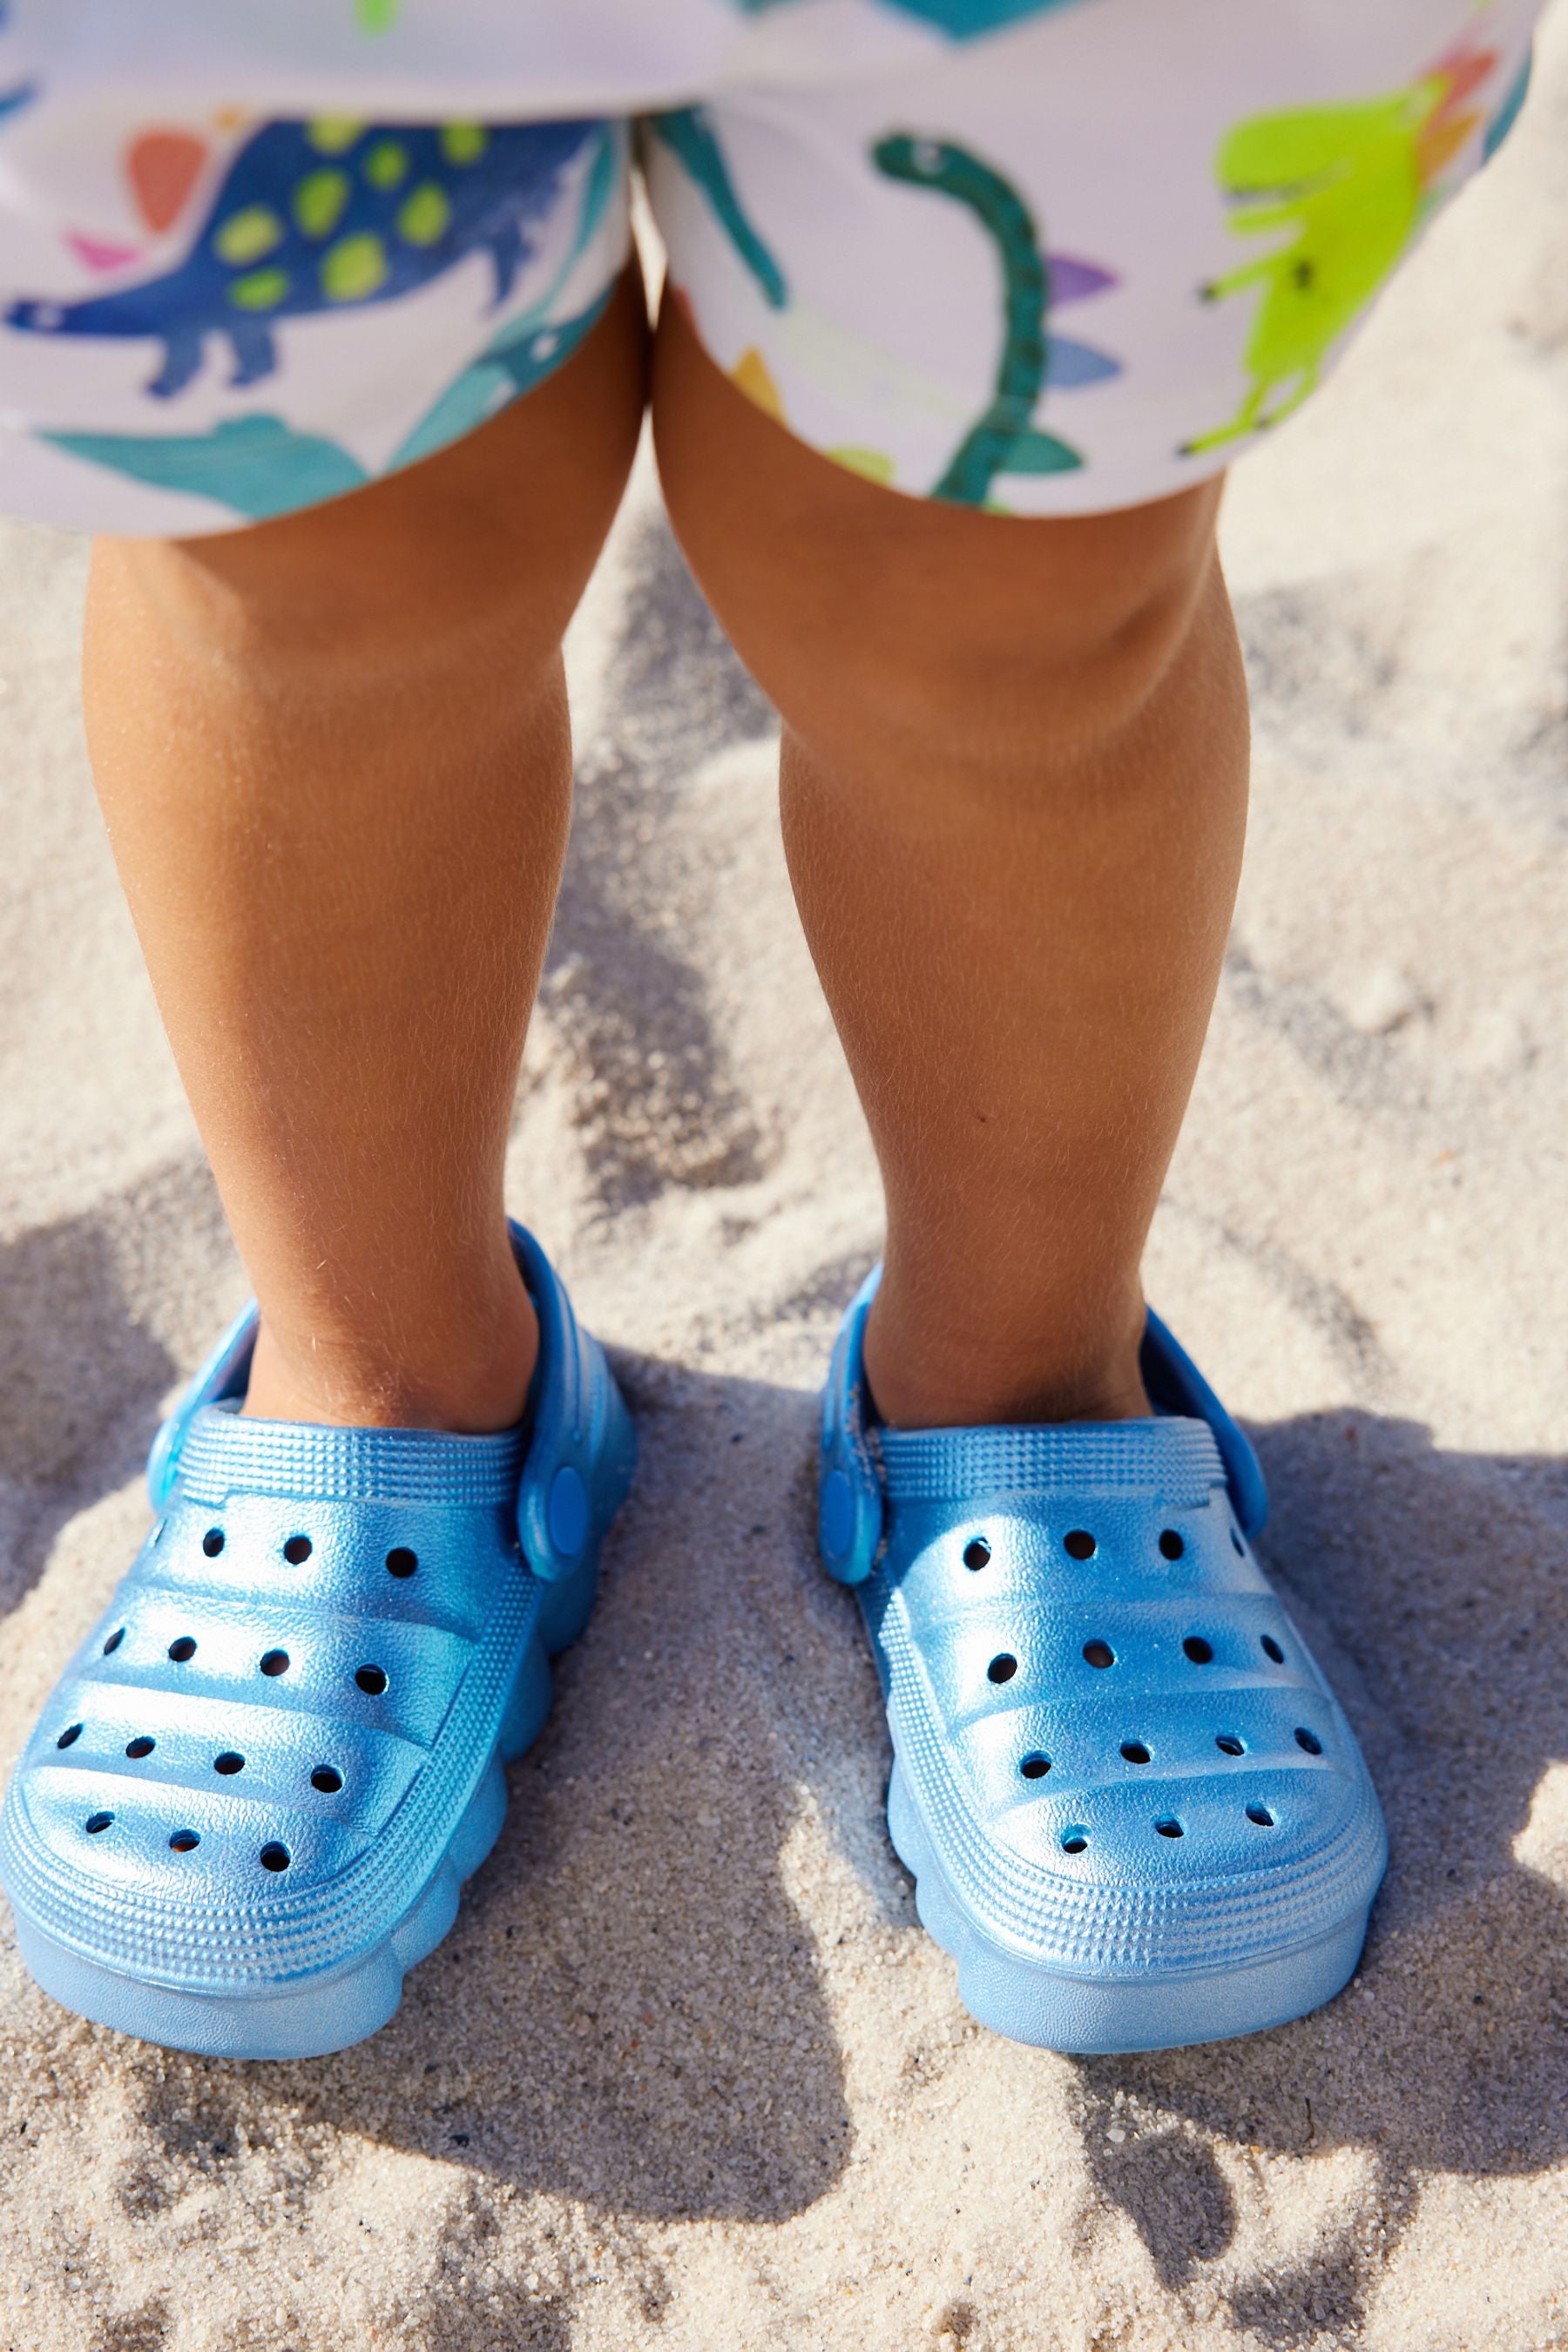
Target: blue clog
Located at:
point(250, 1804)
point(1135, 1813)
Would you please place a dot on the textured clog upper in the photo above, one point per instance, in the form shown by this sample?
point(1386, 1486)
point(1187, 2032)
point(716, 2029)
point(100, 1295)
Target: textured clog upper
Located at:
point(1119, 1741)
point(1121, 1749)
point(261, 1750)
point(265, 1750)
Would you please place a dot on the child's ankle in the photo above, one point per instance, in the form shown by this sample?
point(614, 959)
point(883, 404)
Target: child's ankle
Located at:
point(938, 1381)
point(469, 1390)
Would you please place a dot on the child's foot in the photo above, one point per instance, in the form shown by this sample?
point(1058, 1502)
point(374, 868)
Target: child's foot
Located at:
point(250, 1804)
point(1135, 1812)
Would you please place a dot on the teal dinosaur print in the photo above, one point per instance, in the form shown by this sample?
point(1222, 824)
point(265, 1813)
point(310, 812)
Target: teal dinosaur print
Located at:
point(1004, 439)
point(1507, 115)
point(259, 466)
point(961, 20)
point(520, 356)
point(689, 137)
point(329, 216)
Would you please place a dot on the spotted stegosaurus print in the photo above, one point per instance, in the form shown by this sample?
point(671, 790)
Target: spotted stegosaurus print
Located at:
point(327, 216)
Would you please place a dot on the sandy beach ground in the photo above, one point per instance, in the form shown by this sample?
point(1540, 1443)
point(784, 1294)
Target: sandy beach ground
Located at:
point(688, 2074)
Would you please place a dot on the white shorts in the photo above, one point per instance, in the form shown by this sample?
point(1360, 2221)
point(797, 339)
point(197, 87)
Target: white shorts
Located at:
point(1043, 256)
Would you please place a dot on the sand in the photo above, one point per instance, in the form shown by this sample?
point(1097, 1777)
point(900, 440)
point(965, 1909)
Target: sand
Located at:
point(688, 2074)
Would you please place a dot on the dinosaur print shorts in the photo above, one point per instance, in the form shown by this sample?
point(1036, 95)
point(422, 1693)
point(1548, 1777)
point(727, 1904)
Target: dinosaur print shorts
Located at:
point(1043, 256)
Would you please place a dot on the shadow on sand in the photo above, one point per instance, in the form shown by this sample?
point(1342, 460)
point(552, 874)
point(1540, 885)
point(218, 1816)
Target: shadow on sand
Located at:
point(1432, 1585)
point(631, 2012)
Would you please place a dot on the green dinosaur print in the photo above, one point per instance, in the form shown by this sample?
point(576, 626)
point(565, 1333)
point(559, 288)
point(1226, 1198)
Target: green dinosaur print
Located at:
point(1346, 187)
point(1003, 440)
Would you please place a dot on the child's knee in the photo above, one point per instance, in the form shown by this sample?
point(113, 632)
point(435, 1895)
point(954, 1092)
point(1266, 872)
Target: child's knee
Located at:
point(903, 632)
point(488, 542)
point(1009, 651)
point(1002, 654)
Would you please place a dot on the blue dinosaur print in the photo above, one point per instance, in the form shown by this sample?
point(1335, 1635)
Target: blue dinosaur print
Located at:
point(327, 216)
point(526, 350)
point(259, 466)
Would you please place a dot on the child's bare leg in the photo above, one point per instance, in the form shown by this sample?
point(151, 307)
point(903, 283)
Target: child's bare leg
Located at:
point(335, 759)
point(1015, 775)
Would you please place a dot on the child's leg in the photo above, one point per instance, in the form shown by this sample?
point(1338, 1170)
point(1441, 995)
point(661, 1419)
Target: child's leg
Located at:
point(334, 756)
point(1015, 774)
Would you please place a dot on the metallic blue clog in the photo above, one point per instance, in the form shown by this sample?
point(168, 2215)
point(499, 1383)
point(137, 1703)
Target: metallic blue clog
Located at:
point(1134, 1812)
point(252, 1800)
